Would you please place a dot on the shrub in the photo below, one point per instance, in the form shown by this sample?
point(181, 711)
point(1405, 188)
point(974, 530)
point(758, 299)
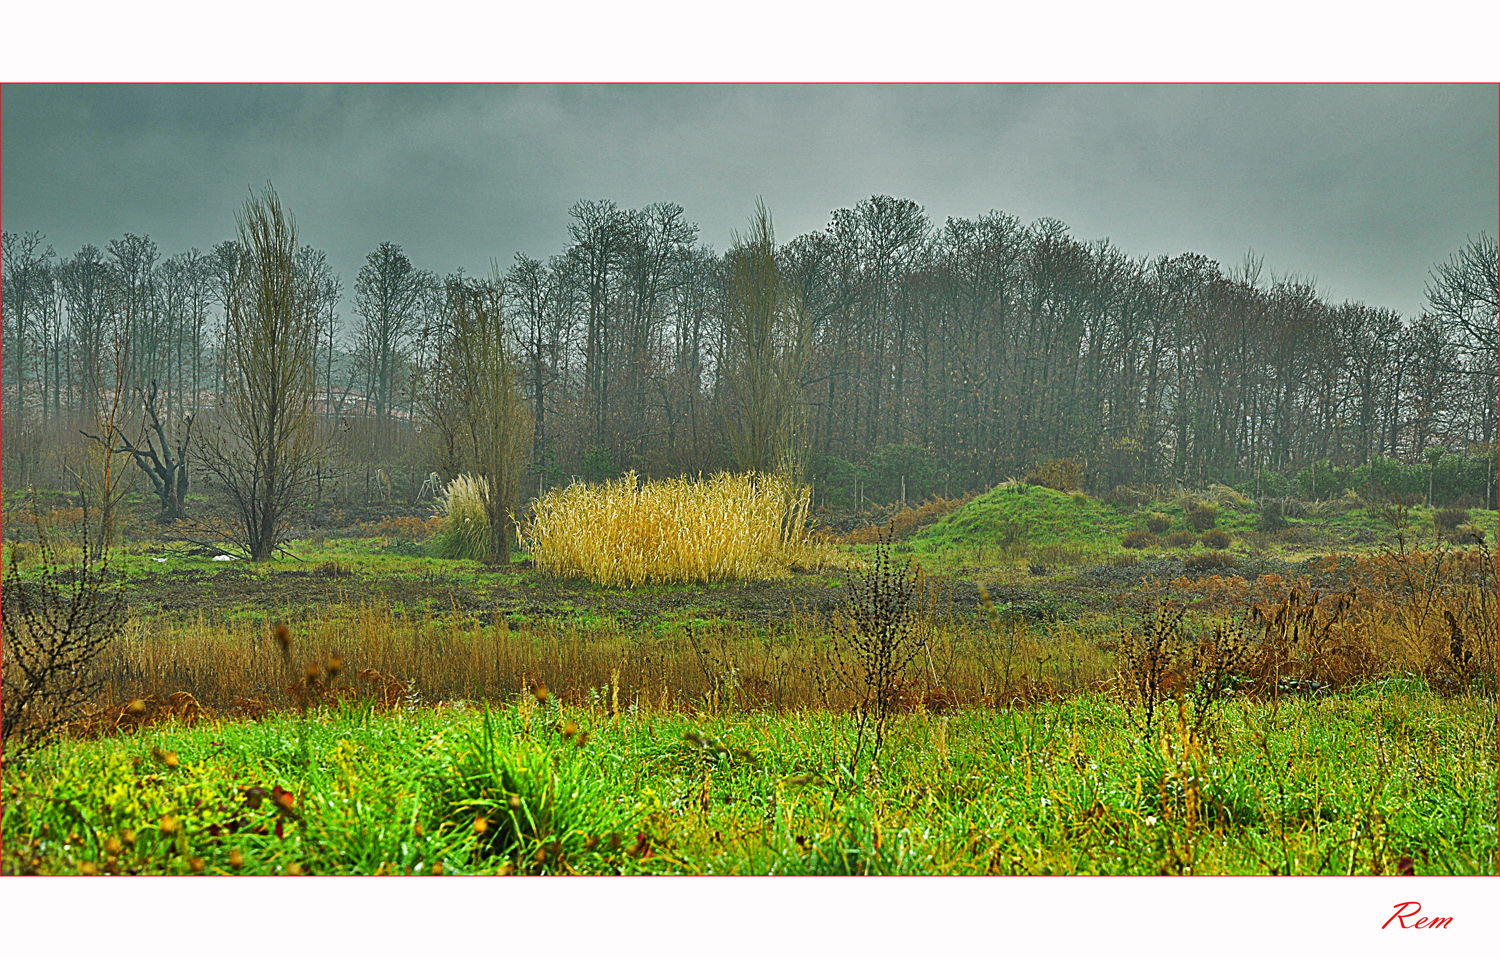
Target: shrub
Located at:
point(1271, 519)
point(1158, 522)
point(1469, 535)
point(1124, 496)
point(465, 526)
point(880, 630)
point(1065, 476)
point(1181, 539)
point(55, 628)
point(1216, 539)
point(746, 526)
point(907, 521)
point(405, 527)
point(1202, 516)
point(1450, 519)
point(1139, 539)
point(1214, 559)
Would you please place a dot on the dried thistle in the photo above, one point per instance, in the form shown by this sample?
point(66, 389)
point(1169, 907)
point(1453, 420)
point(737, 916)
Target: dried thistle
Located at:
point(284, 641)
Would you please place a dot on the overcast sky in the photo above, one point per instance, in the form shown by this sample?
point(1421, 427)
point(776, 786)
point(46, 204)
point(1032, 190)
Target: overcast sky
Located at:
point(1361, 187)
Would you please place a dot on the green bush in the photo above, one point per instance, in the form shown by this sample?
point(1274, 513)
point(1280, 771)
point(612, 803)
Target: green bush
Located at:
point(1158, 522)
point(1182, 539)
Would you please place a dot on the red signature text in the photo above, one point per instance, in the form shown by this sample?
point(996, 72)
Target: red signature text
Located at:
point(1409, 910)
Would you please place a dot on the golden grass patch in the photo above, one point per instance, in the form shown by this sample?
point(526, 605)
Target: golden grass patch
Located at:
point(626, 532)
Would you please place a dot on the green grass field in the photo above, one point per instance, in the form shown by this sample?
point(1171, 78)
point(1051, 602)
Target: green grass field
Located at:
point(1345, 786)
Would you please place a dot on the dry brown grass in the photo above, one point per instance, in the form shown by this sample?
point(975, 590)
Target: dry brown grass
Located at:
point(1434, 617)
point(626, 532)
point(1429, 613)
point(904, 522)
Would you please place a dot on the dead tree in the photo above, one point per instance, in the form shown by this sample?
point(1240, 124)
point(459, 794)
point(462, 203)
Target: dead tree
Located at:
point(167, 467)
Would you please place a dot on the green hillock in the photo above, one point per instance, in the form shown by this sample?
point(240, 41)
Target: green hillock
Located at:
point(1035, 515)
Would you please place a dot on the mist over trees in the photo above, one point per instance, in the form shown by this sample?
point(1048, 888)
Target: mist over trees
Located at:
point(939, 357)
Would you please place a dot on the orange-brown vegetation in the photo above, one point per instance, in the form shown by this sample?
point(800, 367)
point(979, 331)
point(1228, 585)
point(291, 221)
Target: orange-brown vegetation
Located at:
point(904, 522)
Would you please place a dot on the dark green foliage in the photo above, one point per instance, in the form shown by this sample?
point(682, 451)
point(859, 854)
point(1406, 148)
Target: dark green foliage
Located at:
point(1450, 518)
point(1158, 523)
point(1272, 517)
point(1182, 539)
point(1212, 560)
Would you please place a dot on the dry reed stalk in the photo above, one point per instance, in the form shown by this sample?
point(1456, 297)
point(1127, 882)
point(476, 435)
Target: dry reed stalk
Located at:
point(626, 533)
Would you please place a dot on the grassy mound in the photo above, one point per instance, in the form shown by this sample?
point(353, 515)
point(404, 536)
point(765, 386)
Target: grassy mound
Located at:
point(1015, 514)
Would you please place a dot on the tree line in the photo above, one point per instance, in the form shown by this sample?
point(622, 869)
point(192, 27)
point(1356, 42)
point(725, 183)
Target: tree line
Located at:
point(882, 348)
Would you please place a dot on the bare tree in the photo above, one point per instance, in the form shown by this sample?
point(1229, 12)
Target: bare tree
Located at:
point(769, 343)
point(168, 468)
point(25, 262)
point(1466, 292)
point(263, 450)
point(471, 395)
point(387, 298)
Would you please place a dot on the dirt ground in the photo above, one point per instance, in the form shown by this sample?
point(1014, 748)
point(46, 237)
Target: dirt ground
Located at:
point(526, 595)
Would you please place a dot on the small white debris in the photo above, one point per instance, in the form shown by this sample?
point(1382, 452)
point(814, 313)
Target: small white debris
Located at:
point(224, 558)
point(158, 559)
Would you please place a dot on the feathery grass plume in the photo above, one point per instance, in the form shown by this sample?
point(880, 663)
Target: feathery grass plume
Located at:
point(627, 532)
point(465, 527)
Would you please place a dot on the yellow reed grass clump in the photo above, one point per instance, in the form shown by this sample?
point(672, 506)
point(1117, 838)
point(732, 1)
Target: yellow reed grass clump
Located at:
point(625, 533)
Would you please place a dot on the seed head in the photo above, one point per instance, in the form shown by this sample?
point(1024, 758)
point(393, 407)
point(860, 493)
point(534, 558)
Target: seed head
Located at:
point(128, 837)
point(113, 846)
point(515, 802)
point(437, 869)
point(88, 869)
point(195, 864)
point(569, 730)
point(481, 825)
point(169, 824)
point(136, 707)
point(171, 761)
point(335, 665)
point(541, 692)
point(236, 859)
point(294, 869)
point(283, 639)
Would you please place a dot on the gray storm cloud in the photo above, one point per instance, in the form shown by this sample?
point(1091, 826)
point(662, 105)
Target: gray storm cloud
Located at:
point(1362, 187)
